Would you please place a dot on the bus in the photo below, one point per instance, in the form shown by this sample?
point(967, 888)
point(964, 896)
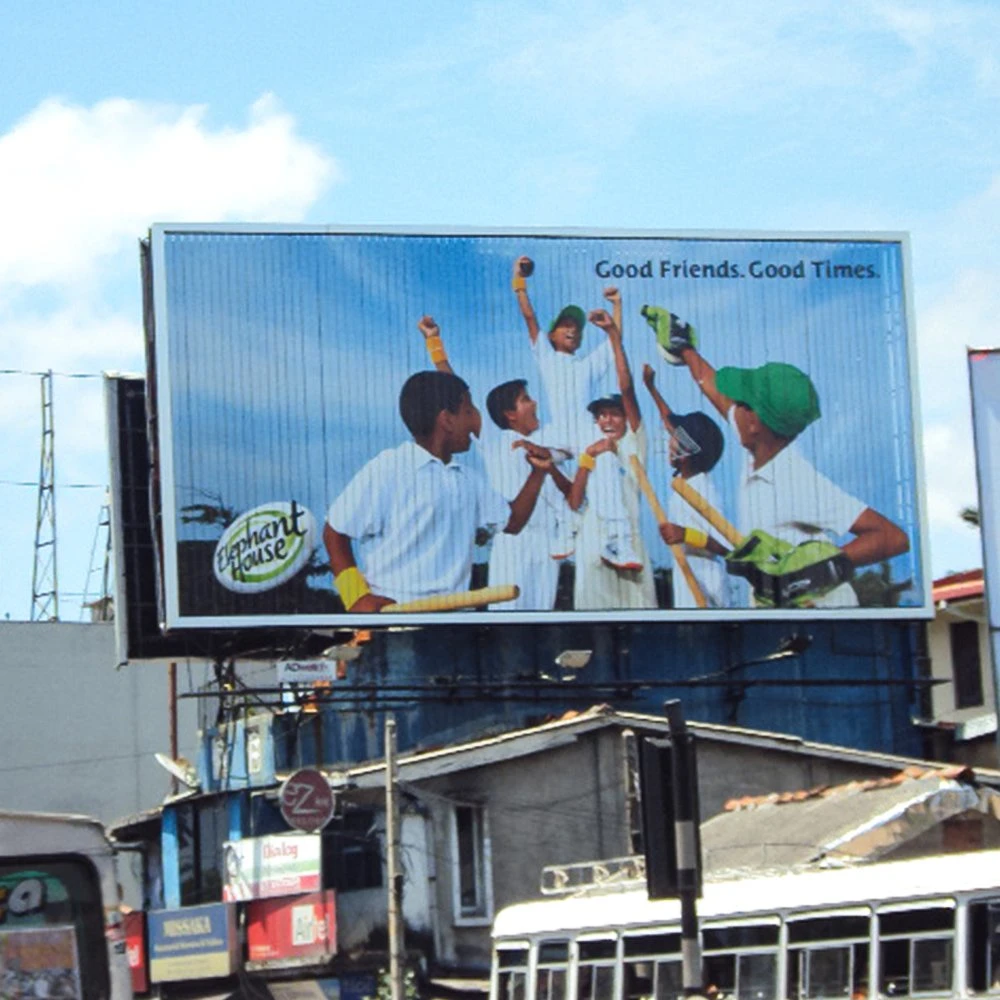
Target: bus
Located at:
point(61, 932)
point(924, 927)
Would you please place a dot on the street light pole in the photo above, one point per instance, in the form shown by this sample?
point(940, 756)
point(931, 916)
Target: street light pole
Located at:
point(393, 873)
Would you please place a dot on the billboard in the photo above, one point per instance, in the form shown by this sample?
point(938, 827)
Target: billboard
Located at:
point(984, 379)
point(515, 427)
point(264, 867)
point(292, 931)
point(193, 942)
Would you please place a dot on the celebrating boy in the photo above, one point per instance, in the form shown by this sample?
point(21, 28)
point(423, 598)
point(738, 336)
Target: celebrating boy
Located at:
point(612, 567)
point(789, 513)
point(522, 558)
point(405, 526)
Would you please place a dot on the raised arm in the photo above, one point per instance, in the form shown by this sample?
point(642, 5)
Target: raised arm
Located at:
point(523, 267)
point(434, 344)
point(600, 318)
point(704, 374)
point(666, 414)
point(523, 505)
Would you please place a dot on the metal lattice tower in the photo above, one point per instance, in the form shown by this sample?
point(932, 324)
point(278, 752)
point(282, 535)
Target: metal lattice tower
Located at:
point(44, 579)
point(100, 608)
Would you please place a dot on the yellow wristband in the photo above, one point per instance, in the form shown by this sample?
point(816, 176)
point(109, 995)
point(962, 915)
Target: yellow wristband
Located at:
point(518, 283)
point(695, 538)
point(587, 462)
point(435, 348)
point(351, 585)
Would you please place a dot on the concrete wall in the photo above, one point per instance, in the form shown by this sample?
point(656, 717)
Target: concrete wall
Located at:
point(78, 735)
point(939, 649)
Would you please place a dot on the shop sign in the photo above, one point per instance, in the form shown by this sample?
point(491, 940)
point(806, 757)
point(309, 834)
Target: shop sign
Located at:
point(193, 942)
point(292, 931)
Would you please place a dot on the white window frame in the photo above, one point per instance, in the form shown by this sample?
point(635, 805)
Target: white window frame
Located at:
point(483, 917)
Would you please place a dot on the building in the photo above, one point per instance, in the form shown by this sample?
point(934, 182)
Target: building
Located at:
point(481, 820)
point(962, 725)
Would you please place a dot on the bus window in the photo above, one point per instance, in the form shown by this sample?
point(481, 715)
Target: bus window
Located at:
point(741, 961)
point(916, 950)
point(984, 946)
point(652, 969)
point(828, 957)
point(595, 977)
point(512, 973)
point(550, 978)
point(52, 940)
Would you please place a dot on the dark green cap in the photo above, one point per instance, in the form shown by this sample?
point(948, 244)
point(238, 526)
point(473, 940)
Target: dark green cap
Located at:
point(574, 313)
point(782, 395)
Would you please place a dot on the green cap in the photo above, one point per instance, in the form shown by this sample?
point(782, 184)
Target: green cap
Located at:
point(781, 395)
point(574, 313)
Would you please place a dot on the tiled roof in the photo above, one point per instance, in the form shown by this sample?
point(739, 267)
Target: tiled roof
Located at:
point(958, 586)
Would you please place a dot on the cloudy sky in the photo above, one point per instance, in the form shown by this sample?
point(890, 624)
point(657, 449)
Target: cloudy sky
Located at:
point(778, 116)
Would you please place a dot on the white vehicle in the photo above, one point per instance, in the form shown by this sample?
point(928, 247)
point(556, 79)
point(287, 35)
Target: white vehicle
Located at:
point(61, 934)
point(927, 927)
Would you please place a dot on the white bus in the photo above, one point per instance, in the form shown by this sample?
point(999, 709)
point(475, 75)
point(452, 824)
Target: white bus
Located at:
point(61, 934)
point(928, 927)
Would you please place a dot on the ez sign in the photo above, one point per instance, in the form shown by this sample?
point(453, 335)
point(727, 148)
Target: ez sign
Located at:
point(306, 800)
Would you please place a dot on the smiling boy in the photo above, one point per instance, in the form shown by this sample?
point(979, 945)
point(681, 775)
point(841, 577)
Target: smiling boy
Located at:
point(405, 526)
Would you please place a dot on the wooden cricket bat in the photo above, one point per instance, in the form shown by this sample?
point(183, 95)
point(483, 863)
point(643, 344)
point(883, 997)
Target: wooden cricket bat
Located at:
point(459, 600)
point(677, 551)
point(707, 511)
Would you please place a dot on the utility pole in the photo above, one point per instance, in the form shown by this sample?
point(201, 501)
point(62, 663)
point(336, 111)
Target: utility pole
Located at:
point(394, 875)
point(44, 578)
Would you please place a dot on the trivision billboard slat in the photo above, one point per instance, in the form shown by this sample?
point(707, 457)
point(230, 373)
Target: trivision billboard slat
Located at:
point(464, 427)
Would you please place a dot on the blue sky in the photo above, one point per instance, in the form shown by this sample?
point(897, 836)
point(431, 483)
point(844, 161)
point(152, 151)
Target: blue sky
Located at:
point(777, 116)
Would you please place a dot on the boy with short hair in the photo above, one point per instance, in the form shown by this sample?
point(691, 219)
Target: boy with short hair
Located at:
point(523, 558)
point(696, 445)
point(783, 497)
point(613, 569)
point(413, 511)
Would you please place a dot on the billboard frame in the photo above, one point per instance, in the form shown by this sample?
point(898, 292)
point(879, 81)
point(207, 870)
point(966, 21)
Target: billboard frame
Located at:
point(165, 474)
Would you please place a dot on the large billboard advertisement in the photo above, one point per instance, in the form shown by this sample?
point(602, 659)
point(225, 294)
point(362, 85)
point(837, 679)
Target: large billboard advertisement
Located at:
point(467, 427)
point(984, 380)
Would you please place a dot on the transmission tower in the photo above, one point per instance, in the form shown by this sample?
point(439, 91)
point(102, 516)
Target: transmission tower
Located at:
point(44, 579)
point(100, 608)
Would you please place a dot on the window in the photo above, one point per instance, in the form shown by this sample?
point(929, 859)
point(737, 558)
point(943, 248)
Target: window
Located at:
point(828, 957)
point(965, 664)
point(984, 946)
point(742, 960)
point(51, 907)
point(652, 966)
point(595, 978)
point(512, 974)
point(916, 951)
point(352, 855)
point(202, 829)
point(550, 978)
point(470, 865)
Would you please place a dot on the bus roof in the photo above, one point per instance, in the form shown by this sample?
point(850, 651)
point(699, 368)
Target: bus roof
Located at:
point(24, 833)
point(597, 910)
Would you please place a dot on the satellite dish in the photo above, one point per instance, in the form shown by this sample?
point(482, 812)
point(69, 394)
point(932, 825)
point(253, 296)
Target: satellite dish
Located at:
point(182, 769)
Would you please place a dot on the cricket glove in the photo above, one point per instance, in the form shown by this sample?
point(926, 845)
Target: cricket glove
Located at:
point(783, 575)
point(672, 333)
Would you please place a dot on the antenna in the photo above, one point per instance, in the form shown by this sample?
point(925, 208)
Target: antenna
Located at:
point(44, 579)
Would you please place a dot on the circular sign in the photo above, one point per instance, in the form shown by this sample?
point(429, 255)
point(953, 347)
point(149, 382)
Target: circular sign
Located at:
point(306, 800)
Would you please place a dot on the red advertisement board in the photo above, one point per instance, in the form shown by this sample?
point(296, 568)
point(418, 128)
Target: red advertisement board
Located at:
point(292, 928)
point(135, 947)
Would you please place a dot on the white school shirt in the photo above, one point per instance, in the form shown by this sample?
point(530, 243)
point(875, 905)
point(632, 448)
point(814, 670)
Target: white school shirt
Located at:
point(790, 500)
point(572, 382)
point(413, 521)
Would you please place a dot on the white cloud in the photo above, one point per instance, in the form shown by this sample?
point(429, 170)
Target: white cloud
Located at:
point(82, 183)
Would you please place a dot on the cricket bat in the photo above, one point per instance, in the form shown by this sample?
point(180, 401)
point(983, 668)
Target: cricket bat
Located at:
point(457, 601)
point(707, 511)
point(676, 551)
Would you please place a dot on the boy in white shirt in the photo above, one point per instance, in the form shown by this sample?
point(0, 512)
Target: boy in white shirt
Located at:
point(405, 526)
point(783, 497)
point(613, 569)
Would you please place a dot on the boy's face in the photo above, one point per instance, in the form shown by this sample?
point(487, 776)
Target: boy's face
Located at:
point(566, 336)
point(462, 425)
point(748, 425)
point(523, 418)
point(610, 421)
